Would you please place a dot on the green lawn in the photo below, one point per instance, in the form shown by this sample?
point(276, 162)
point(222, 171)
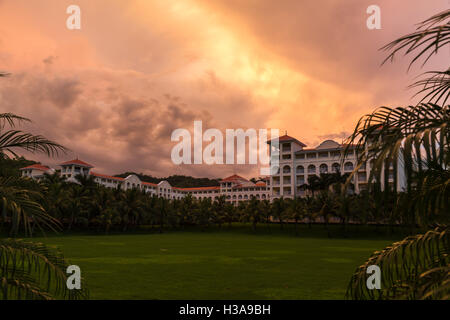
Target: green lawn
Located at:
point(216, 265)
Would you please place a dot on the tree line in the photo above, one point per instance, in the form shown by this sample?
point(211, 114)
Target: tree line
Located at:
point(87, 205)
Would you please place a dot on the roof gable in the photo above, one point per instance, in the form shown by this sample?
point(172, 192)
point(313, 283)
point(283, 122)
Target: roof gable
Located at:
point(36, 166)
point(287, 138)
point(77, 162)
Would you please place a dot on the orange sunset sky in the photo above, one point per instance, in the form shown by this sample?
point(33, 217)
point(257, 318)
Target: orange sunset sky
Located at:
point(114, 91)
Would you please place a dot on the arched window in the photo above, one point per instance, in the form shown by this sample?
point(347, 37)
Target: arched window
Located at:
point(348, 166)
point(234, 197)
point(286, 169)
point(311, 168)
point(336, 167)
point(240, 197)
point(323, 168)
point(300, 170)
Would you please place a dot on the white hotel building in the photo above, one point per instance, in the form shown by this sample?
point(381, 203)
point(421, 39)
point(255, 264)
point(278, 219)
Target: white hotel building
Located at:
point(297, 163)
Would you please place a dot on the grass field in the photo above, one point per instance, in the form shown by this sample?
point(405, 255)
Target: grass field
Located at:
point(217, 265)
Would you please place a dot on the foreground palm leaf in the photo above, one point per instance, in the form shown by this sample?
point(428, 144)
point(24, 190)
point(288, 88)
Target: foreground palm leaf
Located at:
point(431, 35)
point(417, 267)
point(415, 140)
point(435, 88)
point(34, 271)
point(20, 205)
point(12, 139)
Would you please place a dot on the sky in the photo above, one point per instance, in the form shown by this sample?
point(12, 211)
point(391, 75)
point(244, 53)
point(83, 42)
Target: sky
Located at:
point(115, 90)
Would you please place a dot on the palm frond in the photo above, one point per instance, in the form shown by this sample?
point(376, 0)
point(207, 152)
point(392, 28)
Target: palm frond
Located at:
point(417, 267)
point(11, 119)
point(436, 88)
point(413, 141)
point(20, 204)
point(16, 139)
point(428, 39)
point(34, 271)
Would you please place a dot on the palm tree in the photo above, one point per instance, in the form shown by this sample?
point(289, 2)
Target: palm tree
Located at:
point(326, 205)
point(55, 194)
point(252, 212)
point(76, 206)
point(131, 207)
point(279, 210)
point(219, 209)
point(28, 270)
point(314, 184)
point(19, 203)
point(296, 211)
point(416, 138)
point(230, 213)
point(266, 210)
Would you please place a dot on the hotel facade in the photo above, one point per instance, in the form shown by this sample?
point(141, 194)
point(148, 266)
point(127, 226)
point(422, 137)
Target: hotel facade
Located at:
point(296, 164)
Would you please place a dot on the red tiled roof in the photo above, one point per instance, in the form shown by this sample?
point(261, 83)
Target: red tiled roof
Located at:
point(260, 184)
point(150, 184)
point(287, 138)
point(199, 188)
point(233, 178)
point(36, 166)
point(78, 162)
point(99, 175)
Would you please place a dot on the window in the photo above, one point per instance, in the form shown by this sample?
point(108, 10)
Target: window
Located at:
point(300, 169)
point(348, 166)
point(286, 147)
point(286, 169)
point(336, 167)
point(362, 177)
point(311, 168)
point(323, 168)
point(336, 154)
